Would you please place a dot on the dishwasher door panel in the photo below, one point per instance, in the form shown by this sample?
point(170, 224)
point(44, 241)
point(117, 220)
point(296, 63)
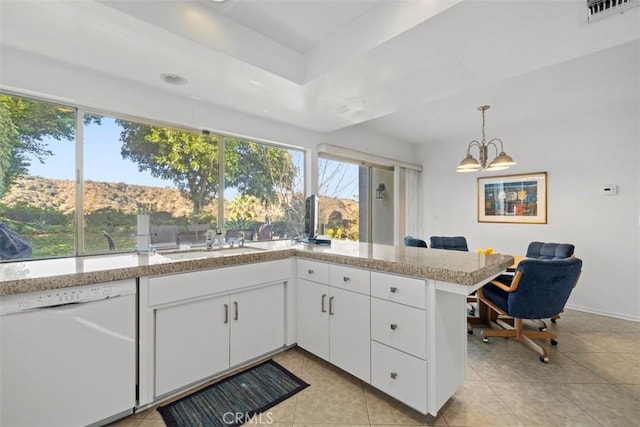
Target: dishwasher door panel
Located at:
point(71, 365)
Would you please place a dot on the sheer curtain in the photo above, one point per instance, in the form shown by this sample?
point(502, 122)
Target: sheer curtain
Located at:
point(408, 203)
point(413, 210)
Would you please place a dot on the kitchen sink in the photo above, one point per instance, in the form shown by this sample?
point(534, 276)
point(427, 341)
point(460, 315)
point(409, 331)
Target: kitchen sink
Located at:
point(208, 253)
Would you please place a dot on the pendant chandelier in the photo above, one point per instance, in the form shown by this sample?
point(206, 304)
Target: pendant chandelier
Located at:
point(500, 162)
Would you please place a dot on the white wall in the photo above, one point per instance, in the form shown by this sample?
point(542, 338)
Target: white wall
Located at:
point(38, 76)
point(581, 152)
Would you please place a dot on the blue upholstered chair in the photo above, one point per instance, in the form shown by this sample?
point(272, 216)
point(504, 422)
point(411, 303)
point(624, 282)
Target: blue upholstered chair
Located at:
point(540, 250)
point(457, 243)
point(412, 241)
point(539, 290)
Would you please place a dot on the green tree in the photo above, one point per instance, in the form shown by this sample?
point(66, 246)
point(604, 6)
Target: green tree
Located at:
point(263, 171)
point(190, 161)
point(25, 124)
point(8, 138)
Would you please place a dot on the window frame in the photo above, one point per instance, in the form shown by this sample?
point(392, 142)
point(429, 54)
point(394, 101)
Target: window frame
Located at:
point(79, 187)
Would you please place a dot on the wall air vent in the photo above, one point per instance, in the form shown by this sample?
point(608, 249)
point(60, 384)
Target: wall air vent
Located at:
point(599, 9)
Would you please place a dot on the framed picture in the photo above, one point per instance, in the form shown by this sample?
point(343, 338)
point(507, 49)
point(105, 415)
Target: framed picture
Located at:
point(513, 198)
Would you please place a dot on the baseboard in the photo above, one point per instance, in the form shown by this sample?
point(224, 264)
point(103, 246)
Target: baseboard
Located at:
point(603, 313)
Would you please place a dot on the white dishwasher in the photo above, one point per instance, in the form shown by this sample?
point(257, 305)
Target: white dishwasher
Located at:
point(68, 356)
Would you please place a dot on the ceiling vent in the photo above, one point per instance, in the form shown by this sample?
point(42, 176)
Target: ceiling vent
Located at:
point(599, 9)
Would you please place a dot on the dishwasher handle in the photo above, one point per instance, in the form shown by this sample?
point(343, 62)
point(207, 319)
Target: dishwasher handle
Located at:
point(28, 308)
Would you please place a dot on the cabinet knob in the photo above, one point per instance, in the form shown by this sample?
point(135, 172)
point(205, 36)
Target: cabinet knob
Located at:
point(393, 289)
point(310, 271)
point(346, 279)
point(393, 375)
point(394, 326)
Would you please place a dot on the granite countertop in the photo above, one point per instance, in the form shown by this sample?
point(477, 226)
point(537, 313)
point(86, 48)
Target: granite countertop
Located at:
point(463, 268)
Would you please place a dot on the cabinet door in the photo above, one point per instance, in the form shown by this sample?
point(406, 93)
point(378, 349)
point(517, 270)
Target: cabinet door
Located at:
point(257, 322)
point(349, 332)
point(313, 318)
point(192, 343)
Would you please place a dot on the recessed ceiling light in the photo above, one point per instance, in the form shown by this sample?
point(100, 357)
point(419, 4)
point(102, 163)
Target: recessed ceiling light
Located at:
point(173, 79)
point(217, 1)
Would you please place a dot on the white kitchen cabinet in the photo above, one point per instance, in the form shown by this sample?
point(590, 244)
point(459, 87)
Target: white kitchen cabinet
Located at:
point(196, 340)
point(192, 342)
point(349, 342)
point(257, 319)
point(313, 317)
point(399, 375)
point(199, 324)
point(333, 323)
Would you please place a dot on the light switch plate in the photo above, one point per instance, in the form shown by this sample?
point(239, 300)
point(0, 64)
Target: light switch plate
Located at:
point(609, 190)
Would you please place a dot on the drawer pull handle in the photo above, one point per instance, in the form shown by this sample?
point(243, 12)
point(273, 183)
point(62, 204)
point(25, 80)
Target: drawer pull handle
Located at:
point(331, 306)
point(394, 326)
point(346, 279)
point(310, 271)
point(324, 310)
point(226, 313)
point(235, 305)
point(394, 375)
point(393, 289)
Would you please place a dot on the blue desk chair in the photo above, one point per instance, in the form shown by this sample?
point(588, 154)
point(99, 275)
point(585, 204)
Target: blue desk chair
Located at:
point(546, 250)
point(540, 250)
point(539, 290)
point(457, 243)
point(412, 241)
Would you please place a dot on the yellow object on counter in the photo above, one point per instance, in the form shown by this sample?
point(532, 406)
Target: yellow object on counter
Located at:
point(485, 251)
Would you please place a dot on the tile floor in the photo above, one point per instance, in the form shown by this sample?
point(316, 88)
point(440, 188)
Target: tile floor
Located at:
point(592, 379)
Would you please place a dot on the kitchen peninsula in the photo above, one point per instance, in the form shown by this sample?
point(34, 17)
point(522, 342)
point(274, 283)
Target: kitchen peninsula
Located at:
point(392, 316)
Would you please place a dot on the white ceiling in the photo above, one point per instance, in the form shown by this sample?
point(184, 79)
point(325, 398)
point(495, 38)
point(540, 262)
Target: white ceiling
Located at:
point(412, 69)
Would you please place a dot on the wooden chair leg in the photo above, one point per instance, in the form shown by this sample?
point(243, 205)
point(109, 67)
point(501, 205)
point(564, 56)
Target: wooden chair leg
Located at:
point(535, 347)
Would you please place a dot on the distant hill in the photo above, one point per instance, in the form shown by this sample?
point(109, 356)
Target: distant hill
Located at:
point(59, 194)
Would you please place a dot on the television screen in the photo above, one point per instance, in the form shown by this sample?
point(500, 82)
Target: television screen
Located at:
point(310, 216)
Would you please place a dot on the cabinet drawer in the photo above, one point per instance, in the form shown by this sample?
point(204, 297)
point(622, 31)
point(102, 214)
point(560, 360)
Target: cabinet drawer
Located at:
point(399, 326)
point(399, 375)
point(313, 270)
point(404, 290)
point(349, 278)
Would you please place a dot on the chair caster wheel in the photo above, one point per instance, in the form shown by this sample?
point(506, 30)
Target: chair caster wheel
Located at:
point(554, 342)
point(470, 331)
point(485, 339)
point(542, 329)
point(553, 320)
point(544, 359)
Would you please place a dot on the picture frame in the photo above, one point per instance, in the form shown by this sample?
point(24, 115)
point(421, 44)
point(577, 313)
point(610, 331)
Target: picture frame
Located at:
point(519, 199)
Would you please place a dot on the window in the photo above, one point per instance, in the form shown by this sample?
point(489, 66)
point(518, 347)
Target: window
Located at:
point(126, 168)
point(339, 199)
point(37, 155)
point(264, 191)
point(356, 201)
point(132, 168)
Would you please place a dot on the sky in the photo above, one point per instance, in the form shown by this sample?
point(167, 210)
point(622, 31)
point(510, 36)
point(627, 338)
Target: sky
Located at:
point(103, 162)
point(102, 158)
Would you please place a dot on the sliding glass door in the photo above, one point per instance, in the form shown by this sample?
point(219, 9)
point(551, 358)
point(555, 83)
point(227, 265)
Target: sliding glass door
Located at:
point(356, 201)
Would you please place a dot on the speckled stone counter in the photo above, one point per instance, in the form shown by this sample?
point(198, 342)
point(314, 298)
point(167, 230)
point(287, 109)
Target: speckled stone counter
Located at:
point(464, 268)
